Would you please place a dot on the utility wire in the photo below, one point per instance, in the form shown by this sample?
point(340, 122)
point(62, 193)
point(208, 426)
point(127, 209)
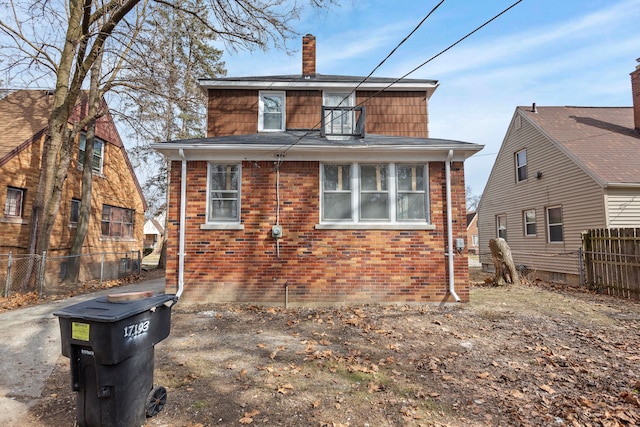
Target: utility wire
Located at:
point(460, 40)
point(370, 74)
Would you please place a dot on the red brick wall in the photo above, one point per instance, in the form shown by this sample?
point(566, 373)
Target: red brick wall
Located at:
point(318, 266)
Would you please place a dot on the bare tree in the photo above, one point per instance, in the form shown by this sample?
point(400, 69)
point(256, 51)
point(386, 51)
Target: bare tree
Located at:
point(30, 42)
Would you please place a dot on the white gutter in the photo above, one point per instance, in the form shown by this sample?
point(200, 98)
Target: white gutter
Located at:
point(183, 221)
point(452, 290)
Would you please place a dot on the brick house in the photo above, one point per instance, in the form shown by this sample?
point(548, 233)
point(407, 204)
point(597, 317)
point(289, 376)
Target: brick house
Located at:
point(117, 212)
point(317, 189)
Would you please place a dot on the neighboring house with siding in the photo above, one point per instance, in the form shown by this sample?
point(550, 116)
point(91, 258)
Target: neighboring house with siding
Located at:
point(560, 171)
point(317, 189)
point(472, 232)
point(117, 205)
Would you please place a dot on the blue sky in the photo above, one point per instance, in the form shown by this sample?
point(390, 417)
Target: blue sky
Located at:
point(551, 52)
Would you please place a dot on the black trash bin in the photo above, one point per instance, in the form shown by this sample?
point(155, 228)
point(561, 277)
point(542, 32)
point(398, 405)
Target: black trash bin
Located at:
point(111, 349)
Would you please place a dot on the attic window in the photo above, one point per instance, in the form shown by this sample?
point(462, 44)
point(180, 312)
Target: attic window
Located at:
point(521, 165)
point(98, 153)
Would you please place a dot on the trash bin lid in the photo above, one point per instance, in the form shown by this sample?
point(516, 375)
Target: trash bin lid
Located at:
point(102, 310)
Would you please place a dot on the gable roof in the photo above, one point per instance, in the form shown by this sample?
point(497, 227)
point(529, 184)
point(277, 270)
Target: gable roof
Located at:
point(23, 114)
point(601, 140)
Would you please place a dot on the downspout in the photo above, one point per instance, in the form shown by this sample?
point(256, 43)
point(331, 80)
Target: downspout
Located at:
point(447, 165)
point(183, 221)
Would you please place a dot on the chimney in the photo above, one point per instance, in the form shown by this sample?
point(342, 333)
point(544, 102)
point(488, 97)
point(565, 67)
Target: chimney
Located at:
point(309, 56)
point(635, 93)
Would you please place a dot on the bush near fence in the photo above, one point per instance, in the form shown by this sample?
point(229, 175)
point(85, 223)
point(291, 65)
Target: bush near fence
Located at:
point(28, 273)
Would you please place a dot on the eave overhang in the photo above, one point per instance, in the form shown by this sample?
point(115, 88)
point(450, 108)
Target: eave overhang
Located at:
point(396, 150)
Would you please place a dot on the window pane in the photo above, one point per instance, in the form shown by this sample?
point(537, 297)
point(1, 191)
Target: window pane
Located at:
point(521, 165)
point(410, 177)
point(555, 216)
point(374, 206)
point(272, 121)
point(75, 211)
point(224, 197)
point(373, 177)
point(224, 209)
point(105, 228)
point(411, 206)
point(13, 203)
point(531, 229)
point(337, 206)
point(337, 177)
point(555, 233)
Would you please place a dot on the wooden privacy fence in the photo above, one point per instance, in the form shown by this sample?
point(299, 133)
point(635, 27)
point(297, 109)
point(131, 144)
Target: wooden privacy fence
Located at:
point(612, 260)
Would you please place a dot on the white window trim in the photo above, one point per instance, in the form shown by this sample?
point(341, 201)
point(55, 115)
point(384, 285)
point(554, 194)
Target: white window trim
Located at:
point(549, 225)
point(518, 166)
point(21, 214)
point(524, 222)
point(228, 224)
point(263, 93)
point(393, 224)
point(498, 225)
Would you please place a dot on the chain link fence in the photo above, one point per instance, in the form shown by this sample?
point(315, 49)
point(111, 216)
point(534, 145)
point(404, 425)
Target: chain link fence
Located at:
point(51, 275)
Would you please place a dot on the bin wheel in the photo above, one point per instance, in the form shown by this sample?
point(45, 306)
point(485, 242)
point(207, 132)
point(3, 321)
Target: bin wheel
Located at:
point(156, 400)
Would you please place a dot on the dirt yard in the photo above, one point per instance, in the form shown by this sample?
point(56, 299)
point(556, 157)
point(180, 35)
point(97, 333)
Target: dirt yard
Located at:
point(527, 355)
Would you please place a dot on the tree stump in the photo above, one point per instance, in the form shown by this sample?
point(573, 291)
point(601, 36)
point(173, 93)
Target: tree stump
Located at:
point(506, 272)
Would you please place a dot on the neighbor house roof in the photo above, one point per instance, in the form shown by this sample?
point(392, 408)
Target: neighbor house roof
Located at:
point(601, 140)
point(23, 114)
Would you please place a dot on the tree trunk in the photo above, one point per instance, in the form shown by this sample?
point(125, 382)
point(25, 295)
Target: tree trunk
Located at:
point(84, 217)
point(503, 262)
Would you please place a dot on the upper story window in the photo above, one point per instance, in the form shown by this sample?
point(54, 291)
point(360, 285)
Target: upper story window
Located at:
point(521, 165)
point(117, 222)
point(338, 122)
point(74, 213)
point(374, 193)
point(224, 193)
point(98, 153)
point(529, 219)
point(554, 224)
point(271, 111)
point(13, 205)
point(501, 226)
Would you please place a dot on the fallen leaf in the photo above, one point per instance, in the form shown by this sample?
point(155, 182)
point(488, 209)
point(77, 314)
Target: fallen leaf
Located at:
point(246, 420)
point(547, 389)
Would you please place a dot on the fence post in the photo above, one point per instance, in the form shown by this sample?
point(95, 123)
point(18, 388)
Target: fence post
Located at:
point(41, 275)
point(139, 262)
point(7, 286)
point(581, 265)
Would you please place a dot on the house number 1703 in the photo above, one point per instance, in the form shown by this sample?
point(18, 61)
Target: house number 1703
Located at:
point(136, 329)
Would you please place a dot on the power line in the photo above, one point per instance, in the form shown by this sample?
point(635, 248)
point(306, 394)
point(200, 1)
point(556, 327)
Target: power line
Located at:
point(370, 74)
point(460, 40)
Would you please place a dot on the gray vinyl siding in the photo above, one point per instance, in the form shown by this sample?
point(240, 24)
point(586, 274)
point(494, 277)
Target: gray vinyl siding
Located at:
point(563, 183)
point(623, 207)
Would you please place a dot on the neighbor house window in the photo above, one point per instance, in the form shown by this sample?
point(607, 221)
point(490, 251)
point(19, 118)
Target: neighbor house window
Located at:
point(554, 224)
point(14, 203)
point(98, 153)
point(338, 122)
point(501, 226)
point(224, 193)
point(117, 222)
point(369, 193)
point(521, 165)
point(74, 214)
point(271, 111)
point(529, 218)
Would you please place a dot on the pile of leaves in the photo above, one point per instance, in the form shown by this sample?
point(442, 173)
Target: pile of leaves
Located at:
point(526, 355)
